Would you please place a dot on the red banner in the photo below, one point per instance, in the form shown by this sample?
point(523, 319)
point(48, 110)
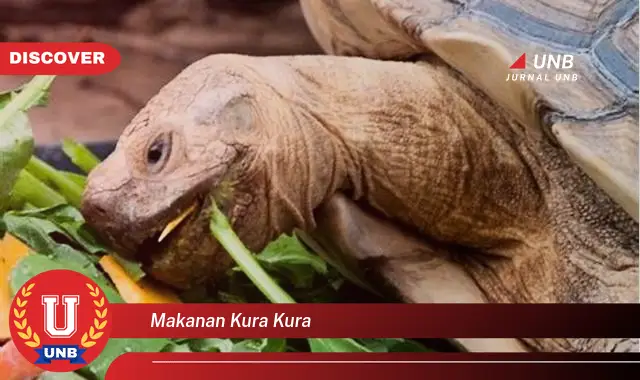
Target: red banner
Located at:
point(57, 58)
point(375, 321)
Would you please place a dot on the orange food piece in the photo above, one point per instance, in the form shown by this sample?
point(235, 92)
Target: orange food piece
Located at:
point(13, 366)
point(131, 291)
point(11, 251)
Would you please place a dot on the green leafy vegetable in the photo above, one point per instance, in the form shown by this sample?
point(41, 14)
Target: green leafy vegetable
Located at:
point(34, 264)
point(228, 345)
point(60, 219)
point(393, 345)
point(177, 347)
point(50, 238)
point(288, 257)
point(16, 144)
point(7, 96)
point(132, 268)
point(211, 345)
point(287, 250)
point(260, 345)
point(65, 216)
point(222, 231)
point(336, 345)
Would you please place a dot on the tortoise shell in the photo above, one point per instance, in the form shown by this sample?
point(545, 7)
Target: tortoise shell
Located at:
point(568, 68)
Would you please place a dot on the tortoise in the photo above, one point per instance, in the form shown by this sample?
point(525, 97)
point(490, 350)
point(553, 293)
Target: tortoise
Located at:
point(409, 149)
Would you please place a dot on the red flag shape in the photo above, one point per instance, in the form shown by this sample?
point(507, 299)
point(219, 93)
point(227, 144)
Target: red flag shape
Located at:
point(520, 63)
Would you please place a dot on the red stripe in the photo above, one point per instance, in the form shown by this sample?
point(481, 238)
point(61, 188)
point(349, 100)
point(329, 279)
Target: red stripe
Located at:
point(389, 320)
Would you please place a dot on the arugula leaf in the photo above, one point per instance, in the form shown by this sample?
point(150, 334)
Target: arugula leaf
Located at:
point(34, 264)
point(177, 347)
point(133, 268)
point(43, 229)
point(288, 257)
point(260, 345)
point(16, 144)
point(211, 345)
point(393, 345)
point(229, 345)
point(16, 147)
point(46, 231)
point(8, 95)
point(336, 345)
point(224, 234)
point(287, 250)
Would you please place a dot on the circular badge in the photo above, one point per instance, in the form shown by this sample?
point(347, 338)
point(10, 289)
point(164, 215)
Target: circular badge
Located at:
point(60, 320)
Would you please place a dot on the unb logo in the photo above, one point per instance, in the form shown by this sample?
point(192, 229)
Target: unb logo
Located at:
point(60, 320)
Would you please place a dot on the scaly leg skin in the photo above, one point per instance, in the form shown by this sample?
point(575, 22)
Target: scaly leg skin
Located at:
point(418, 271)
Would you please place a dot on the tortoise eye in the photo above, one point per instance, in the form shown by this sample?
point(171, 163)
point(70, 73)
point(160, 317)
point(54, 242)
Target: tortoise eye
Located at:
point(158, 152)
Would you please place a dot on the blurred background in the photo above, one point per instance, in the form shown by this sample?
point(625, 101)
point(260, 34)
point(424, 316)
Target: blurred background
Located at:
point(156, 39)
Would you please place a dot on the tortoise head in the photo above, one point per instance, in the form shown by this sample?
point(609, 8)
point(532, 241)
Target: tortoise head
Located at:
point(202, 135)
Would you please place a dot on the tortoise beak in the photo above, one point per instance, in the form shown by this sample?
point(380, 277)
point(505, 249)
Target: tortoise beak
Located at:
point(132, 232)
point(175, 223)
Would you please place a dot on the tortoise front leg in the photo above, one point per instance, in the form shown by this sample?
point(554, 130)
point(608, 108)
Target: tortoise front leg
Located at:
point(418, 271)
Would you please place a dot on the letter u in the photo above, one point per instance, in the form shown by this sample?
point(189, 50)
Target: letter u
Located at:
point(70, 315)
point(535, 61)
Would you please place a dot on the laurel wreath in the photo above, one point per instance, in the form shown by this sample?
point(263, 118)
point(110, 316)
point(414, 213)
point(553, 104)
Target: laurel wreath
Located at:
point(89, 338)
point(25, 332)
point(31, 338)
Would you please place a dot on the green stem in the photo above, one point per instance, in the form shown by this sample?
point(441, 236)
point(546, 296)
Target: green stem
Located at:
point(70, 190)
point(27, 97)
point(223, 232)
point(80, 155)
point(35, 192)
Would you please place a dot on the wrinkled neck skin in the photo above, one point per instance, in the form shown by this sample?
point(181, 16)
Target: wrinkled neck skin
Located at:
point(414, 144)
point(424, 149)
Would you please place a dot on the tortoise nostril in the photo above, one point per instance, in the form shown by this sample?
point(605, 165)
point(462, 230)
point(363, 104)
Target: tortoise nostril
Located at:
point(100, 210)
point(95, 212)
